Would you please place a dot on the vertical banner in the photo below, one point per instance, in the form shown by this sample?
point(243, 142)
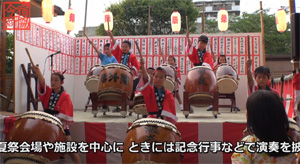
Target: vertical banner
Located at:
point(176, 46)
point(143, 46)
point(169, 46)
point(77, 65)
point(89, 49)
point(132, 46)
point(256, 46)
point(101, 45)
point(156, 46)
point(242, 65)
point(163, 45)
point(182, 46)
point(54, 42)
point(51, 40)
point(235, 63)
point(228, 58)
point(156, 64)
point(77, 47)
point(38, 36)
point(89, 64)
point(33, 34)
point(242, 46)
point(221, 46)
point(235, 46)
point(83, 45)
point(82, 66)
point(182, 65)
point(228, 46)
point(150, 46)
point(95, 61)
point(47, 40)
point(256, 62)
point(58, 42)
point(136, 52)
point(95, 41)
point(44, 38)
point(149, 62)
point(215, 45)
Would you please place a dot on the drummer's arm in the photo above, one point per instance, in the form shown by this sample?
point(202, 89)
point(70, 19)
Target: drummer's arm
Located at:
point(143, 69)
point(249, 74)
point(94, 46)
point(113, 40)
point(40, 77)
point(188, 39)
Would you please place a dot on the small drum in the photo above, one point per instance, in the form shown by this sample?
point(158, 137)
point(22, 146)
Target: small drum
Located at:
point(114, 80)
point(201, 84)
point(170, 82)
point(139, 104)
point(152, 130)
point(31, 127)
point(227, 78)
point(92, 78)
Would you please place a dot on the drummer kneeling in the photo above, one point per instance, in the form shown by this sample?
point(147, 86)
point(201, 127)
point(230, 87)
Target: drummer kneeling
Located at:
point(159, 101)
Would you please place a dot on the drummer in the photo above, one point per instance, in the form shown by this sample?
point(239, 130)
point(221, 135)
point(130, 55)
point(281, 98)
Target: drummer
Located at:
point(57, 102)
point(123, 55)
point(261, 75)
point(172, 61)
point(106, 58)
point(199, 56)
point(159, 101)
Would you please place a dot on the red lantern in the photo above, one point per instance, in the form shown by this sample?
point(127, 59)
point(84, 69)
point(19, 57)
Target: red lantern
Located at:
point(70, 20)
point(223, 20)
point(176, 21)
point(47, 10)
point(108, 21)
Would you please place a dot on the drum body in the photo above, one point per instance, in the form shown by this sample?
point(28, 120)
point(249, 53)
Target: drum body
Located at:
point(139, 104)
point(150, 131)
point(201, 84)
point(92, 78)
point(114, 80)
point(170, 82)
point(31, 127)
point(227, 79)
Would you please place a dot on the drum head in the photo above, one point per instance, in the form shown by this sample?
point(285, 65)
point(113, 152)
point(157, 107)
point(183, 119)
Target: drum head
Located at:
point(169, 85)
point(201, 96)
point(92, 85)
point(154, 122)
point(140, 109)
point(227, 85)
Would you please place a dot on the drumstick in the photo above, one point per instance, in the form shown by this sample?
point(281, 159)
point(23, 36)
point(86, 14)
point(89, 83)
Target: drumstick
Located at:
point(86, 36)
point(138, 48)
point(187, 23)
point(248, 40)
point(31, 61)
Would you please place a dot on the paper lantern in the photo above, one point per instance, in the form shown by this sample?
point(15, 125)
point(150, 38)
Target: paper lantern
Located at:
point(47, 10)
point(24, 0)
point(70, 20)
point(108, 19)
point(223, 20)
point(176, 21)
point(280, 18)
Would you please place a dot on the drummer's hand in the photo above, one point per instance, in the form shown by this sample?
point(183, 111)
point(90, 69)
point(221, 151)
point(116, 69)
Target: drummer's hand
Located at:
point(109, 33)
point(249, 63)
point(142, 61)
point(187, 34)
point(35, 69)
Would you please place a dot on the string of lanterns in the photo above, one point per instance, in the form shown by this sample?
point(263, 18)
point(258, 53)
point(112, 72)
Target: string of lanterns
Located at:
point(48, 13)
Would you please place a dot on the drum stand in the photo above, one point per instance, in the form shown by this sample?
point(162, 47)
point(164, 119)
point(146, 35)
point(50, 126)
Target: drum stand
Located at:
point(187, 103)
point(231, 97)
point(123, 102)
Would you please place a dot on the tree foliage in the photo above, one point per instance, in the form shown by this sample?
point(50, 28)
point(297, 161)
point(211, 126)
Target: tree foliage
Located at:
point(131, 16)
point(9, 52)
point(275, 42)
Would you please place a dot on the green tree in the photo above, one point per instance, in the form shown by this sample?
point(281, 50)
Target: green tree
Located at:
point(9, 52)
point(131, 16)
point(276, 43)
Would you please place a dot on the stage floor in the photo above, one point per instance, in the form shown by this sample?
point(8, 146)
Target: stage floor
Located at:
point(199, 115)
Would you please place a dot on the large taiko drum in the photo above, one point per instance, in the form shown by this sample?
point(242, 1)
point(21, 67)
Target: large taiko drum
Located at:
point(150, 130)
point(92, 79)
point(35, 126)
point(170, 82)
point(139, 104)
point(227, 78)
point(201, 84)
point(114, 80)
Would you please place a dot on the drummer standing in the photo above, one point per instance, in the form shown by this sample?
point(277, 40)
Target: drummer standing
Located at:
point(159, 101)
point(106, 58)
point(57, 102)
point(261, 75)
point(199, 56)
point(123, 55)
